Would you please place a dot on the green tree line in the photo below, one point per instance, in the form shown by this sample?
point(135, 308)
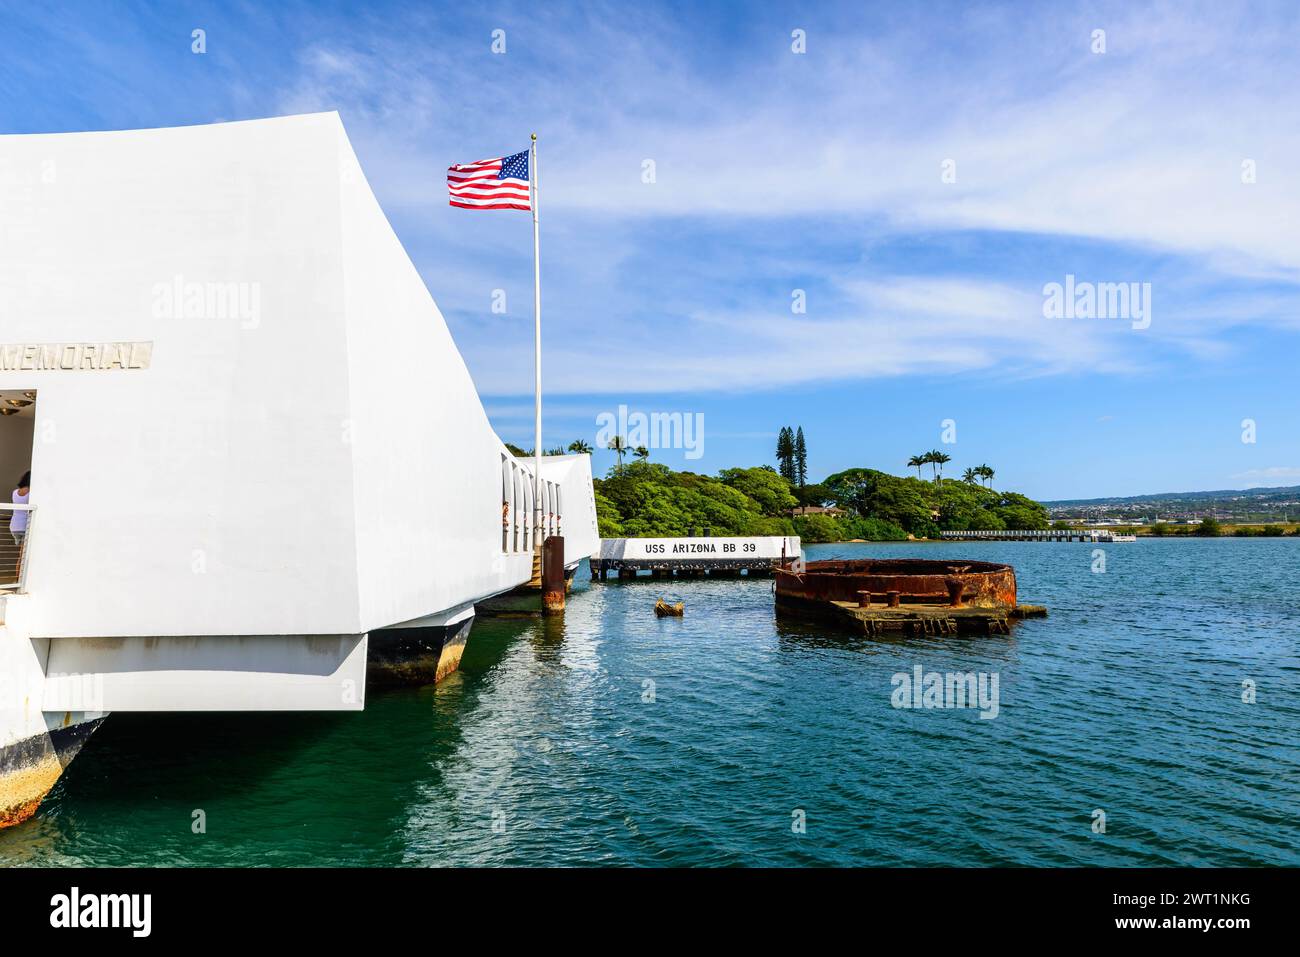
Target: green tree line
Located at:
point(648, 499)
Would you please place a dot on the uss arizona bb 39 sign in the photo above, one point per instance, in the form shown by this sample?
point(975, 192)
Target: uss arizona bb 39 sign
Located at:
point(651, 549)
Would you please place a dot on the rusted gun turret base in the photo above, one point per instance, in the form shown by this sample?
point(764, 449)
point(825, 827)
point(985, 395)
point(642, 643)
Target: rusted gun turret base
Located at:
point(904, 596)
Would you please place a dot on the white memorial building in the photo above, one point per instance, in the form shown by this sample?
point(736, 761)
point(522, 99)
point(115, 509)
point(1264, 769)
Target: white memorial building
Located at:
point(257, 458)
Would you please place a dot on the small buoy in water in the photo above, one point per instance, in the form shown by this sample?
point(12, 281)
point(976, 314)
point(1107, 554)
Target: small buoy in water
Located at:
point(665, 610)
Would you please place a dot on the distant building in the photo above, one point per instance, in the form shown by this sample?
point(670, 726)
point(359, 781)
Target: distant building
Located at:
point(830, 510)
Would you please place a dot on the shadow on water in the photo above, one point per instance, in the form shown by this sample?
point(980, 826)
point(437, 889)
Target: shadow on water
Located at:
point(288, 788)
point(493, 635)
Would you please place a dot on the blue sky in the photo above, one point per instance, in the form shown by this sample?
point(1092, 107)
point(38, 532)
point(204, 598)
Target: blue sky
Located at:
point(820, 171)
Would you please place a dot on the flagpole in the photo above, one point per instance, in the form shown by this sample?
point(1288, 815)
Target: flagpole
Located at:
point(537, 357)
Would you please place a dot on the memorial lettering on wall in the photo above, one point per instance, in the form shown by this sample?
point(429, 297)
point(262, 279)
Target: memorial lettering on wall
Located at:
point(74, 356)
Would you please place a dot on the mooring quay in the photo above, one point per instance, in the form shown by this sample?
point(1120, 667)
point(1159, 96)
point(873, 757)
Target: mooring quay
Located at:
point(1044, 535)
point(693, 557)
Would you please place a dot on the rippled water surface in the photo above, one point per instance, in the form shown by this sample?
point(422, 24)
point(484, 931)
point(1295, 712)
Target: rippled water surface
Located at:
point(544, 750)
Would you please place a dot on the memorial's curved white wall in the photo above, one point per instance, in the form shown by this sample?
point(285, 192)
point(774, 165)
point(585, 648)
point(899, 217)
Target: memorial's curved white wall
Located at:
point(316, 462)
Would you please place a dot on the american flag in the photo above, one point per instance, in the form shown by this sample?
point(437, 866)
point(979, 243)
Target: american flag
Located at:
point(500, 183)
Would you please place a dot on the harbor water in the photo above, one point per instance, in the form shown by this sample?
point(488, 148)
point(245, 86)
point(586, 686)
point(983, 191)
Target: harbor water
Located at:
point(1161, 698)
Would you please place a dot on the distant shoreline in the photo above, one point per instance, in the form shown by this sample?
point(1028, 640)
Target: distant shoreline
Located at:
point(1227, 530)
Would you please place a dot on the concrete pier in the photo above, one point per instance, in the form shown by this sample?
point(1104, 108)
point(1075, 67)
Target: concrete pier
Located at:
point(1042, 535)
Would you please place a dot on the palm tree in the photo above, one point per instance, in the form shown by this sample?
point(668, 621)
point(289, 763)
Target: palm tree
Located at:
point(641, 452)
point(916, 461)
point(970, 475)
point(937, 460)
point(785, 453)
point(618, 445)
point(800, 458)
point(986, 473)
point(579, 447)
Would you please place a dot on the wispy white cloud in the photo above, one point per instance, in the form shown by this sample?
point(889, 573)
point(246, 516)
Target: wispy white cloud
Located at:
point(1138, 150)
point(902, 326)
point(1143, 143)
point(1273, 475)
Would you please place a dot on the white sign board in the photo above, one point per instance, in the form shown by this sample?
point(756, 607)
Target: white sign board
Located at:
point(699, 549)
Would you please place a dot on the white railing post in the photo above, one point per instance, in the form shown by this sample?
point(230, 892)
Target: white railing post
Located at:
point(22, 551)
point(17, 548)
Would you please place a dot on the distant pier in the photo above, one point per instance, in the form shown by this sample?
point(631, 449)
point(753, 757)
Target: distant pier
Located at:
point(693, 557)
point(1045, 535)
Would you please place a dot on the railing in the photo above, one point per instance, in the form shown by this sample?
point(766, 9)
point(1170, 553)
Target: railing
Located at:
point(519, 512)
point(15, 531)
